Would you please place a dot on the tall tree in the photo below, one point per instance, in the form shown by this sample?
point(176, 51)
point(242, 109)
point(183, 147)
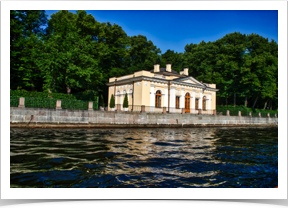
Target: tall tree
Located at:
point(143, 53)
point(26, 30)
point(242, 66)
point(68, 56)
point(176, 59)
point(260, 70)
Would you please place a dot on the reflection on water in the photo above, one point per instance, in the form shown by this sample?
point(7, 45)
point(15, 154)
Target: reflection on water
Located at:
point(156, 157)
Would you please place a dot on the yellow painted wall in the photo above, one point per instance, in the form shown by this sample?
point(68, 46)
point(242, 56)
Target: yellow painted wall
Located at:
point(138, 93)
point(143, 88)
point(146, 93)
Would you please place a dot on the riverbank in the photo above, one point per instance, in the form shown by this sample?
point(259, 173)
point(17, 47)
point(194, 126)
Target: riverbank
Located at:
point(61, 125)
point(63, 118)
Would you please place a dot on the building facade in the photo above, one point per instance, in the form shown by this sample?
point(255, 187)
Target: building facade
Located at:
point(163, 87)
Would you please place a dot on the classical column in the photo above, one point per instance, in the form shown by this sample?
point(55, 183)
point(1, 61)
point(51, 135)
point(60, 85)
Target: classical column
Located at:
point(121, 101)
point(152, 97)
point(193, 101)
point(182, 99)
point(166, 98)
point(172, 97)
point(129, 98)
point(200, 100)
point(209, 103)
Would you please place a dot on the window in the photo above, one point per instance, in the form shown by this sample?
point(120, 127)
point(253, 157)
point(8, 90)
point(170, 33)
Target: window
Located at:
point(187, 103)
point(158, 99)
point(196, 104)
point(204, 103)
point(177, 102)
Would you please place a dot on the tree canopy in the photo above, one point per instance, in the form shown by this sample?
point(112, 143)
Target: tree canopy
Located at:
point(73, 53)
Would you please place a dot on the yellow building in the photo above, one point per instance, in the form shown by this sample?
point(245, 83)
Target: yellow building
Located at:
point(163, 87)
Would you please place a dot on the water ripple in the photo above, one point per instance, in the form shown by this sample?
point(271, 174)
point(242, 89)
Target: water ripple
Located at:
point(130, 158)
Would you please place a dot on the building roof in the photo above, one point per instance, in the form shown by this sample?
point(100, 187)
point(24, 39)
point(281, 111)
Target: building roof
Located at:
point(172, 73)
point(164, 70)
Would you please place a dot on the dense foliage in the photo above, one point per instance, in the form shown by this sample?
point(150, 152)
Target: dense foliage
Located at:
point(74, 53)
point(244, 110)
point(86, 95)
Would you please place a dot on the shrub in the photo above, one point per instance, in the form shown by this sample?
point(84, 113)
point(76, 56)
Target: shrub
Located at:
point(74, 104)
point(125, 103)
point(88, 95)
point(244, 110)
point(34, 102)
point(48, 100)
point(112, 102)
point(102, 103)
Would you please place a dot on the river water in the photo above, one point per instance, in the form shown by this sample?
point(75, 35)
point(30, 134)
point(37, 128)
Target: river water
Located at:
point(150, 157)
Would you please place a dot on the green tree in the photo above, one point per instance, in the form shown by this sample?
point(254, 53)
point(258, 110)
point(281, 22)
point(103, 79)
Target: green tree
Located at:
point(68, 56)
point(244, 67)
point(176, 59)
point(143, 54)
point(260, 71)
point(26, 31)
point(112, 102)
point(125, 102)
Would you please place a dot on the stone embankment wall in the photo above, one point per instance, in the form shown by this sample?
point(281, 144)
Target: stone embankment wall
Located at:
point(39, 117)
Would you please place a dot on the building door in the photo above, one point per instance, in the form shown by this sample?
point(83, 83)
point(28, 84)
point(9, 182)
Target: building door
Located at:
point(187, 103)
point(158, 99)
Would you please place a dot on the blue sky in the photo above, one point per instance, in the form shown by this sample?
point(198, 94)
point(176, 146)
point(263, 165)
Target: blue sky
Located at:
point(173, 29)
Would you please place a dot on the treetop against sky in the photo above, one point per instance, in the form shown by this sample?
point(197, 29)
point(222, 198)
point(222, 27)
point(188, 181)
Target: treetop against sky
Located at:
point(173, 29)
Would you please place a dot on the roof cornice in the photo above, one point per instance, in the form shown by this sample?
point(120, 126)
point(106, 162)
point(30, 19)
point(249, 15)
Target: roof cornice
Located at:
point(152, 79)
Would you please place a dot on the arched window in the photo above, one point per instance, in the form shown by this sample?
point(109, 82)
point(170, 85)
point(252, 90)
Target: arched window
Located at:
point(158, 99)
point(204, 103)
point(187, 103)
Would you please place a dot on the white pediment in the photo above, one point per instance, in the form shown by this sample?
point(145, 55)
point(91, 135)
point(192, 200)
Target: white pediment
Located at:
point(189, 81)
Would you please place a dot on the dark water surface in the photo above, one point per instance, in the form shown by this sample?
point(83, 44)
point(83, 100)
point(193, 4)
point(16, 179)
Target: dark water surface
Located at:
point(156, 157)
